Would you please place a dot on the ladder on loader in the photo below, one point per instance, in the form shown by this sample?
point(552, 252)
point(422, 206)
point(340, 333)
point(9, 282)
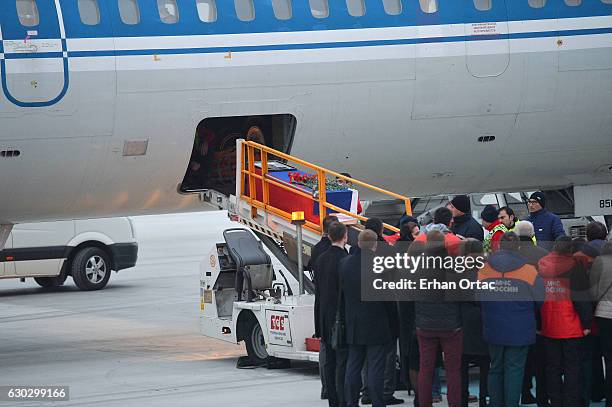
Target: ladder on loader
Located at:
point(276, 323)
point(254, 208)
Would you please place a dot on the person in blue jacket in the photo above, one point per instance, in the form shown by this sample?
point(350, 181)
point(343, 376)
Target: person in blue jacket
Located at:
point(547, 225)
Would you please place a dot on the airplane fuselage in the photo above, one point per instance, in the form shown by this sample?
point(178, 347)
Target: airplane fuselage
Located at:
point(99, 120)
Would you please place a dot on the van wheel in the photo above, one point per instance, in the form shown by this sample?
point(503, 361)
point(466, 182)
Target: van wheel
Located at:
point(49, 282)
point(255, 342)
point(91, 269)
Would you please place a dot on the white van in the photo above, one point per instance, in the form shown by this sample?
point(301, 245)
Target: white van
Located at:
point(87, 250)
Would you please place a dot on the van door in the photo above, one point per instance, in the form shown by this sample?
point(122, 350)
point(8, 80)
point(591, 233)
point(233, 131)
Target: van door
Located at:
point(34, 63)
point(487, 40)
point(40, 248)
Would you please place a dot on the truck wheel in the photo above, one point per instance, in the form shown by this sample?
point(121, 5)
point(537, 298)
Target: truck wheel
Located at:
point(91, 269)
point(255, 342)
point(48, 282)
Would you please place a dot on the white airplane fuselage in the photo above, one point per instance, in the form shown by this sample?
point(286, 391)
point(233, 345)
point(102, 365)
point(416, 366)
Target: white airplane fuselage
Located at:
point(400, 101)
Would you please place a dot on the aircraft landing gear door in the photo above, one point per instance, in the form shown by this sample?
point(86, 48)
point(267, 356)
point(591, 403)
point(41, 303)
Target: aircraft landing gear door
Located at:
point(487, 43)
point(33, 57)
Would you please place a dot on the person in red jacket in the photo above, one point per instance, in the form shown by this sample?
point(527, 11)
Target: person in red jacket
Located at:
point(495, 228)
point(566, 321)
point(441, 222)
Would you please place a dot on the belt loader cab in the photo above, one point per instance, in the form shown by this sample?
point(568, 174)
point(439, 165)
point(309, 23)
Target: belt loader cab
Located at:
point(87, 250)
point(242, 298)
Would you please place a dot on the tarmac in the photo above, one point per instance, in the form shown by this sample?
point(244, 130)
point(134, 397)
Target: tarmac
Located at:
point(137, 342)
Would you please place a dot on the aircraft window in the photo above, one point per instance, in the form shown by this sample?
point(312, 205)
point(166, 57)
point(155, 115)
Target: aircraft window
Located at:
point(483, 5)
point(392, 7)
point(27, 10)
point(89, 12)
point(245, 10)
point(429, 6)
point(319, 8)
point(607, 1)
point(207, 10)
point(537, 3)
point(573, 2)
point(129, 11)
point(168, 11)
point(356, 8)
point(282, 9)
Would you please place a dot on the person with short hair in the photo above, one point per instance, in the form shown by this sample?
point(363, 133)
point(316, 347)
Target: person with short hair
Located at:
point(316, 251)
point(507, 217)
point(525, 232)
point(438, 323)
point(566, 321)
point(596, 235)
point(464, 223)
point(509, 318)
point(368, 332)
point(495, 229)
point(547, 225)
point(383, 248)
point(441, 222)
point(328, 289)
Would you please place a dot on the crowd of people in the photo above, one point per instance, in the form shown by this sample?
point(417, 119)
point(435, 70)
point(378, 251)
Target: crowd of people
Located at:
point(550, 326)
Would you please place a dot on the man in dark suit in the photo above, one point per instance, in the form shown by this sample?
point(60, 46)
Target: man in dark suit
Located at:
point(317, 251)
point(328, 292)
point(383, 248)
point(368, 331)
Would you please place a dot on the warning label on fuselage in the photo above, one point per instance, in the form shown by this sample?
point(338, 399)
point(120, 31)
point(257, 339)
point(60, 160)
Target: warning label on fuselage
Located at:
point(484, 29)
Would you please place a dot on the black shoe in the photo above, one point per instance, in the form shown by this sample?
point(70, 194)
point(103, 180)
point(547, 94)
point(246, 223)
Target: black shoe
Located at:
point(323, 395)
point(393, 401)
point(528, 398)
point(245, 362)
point(365, 400)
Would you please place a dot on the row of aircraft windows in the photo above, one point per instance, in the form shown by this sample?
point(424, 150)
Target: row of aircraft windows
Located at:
point(129, 10)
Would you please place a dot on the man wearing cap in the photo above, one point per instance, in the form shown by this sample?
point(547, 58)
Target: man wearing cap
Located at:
point(547, 225)
point(464, 223)
point(494, 227)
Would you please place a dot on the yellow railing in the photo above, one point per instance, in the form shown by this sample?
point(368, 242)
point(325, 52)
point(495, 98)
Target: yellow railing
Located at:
point(248, 157)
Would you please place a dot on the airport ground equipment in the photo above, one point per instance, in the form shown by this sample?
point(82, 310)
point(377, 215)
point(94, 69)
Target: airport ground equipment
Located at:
point(242, 297)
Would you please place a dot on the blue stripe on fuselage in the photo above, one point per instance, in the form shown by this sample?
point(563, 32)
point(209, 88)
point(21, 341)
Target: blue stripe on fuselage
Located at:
point(352, 44)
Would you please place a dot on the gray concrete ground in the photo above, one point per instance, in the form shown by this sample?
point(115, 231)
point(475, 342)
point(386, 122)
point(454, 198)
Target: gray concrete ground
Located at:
point(137, 342)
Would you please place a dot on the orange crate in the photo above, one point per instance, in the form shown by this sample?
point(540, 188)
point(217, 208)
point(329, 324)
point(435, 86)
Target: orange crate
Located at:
point(313, 344)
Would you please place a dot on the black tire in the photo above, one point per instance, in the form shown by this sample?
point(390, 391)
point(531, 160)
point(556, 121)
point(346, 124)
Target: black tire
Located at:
point(91, 269)
point(48, 282)
point(255, 342)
